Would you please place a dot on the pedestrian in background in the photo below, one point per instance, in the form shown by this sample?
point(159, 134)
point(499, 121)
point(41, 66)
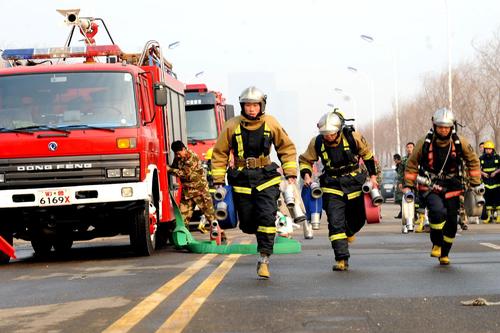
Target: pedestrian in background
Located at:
point(398, 194)
point(490, 173)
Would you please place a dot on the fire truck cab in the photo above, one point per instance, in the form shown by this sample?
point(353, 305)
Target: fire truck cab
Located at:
point(83, 146)
point(206, 112)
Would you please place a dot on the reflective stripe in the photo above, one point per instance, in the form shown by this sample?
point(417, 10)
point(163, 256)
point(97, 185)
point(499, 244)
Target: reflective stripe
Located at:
point(219, 172)
point(269, 183)
point(367, 157)
point(353, 195)
point(305, 166)
point(490, 187)
point(345, 143)
point(211, 190)
point(241, 189)
point(452, 194)
point(267, 131)
point(448, 239)
point(411, 175)
point(489, 169)
point(437, 226)
point(332, 191)
point(325, 155)
point(338, 236)
point(289, 165)
point(239, 142)
point(266, 230)
point(474, 173)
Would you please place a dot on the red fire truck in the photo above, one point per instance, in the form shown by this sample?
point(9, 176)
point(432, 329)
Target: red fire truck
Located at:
point(206, 112)
point(83, 146)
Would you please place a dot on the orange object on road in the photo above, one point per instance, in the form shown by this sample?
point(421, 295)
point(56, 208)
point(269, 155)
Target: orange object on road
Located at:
point(372, 212)
point(6, 248)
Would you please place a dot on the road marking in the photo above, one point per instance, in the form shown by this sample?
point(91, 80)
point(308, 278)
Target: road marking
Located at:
point(55, 317)
point(141, 310)
point(186, 311)
point(493, 246)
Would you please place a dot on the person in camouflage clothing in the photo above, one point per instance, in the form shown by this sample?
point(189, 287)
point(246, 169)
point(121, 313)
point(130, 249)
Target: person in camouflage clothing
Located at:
point(187, 166)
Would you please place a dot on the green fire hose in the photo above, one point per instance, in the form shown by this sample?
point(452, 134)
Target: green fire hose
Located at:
point(184, 240)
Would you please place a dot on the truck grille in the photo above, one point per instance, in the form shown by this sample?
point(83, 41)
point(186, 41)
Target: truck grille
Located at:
point(66, 170)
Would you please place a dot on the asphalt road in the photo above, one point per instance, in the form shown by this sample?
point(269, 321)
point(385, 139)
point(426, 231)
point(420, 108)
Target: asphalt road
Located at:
point(393, 285)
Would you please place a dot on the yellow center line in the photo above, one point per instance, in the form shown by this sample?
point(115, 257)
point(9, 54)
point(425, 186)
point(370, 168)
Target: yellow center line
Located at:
point(141, 310)
point(186, 311)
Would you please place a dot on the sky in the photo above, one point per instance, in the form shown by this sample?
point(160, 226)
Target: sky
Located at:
point(295, 51)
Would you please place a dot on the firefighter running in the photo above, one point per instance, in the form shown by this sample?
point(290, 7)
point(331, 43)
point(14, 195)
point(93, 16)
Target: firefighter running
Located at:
point(254, 177)
point(435, 169)
point(339, 148)
point(490, 172)
point(195, 192)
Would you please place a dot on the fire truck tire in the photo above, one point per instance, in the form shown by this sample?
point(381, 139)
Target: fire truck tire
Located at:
point(141, 239)
point(41, 246)
point(61, 245)
point(4, 259)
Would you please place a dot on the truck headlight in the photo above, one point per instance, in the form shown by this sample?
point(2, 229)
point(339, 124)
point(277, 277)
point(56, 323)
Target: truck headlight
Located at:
point(2, 178)
point(128, 172)
point(113, 173)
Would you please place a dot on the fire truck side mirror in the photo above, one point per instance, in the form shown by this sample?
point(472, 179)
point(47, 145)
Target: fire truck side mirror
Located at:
point(161, 94)
point(229, 111)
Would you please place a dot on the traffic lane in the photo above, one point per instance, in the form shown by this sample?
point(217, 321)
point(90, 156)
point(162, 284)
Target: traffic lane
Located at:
point(93, 284)
point(113, 307)
point(427, 314)
point(392, 285)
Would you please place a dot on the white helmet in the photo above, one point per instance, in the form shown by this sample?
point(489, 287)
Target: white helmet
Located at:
point(253, 95)
point(330, 123)
point(444, 118)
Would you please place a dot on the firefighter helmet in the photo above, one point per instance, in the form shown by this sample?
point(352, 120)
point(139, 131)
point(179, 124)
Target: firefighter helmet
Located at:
point(443, 118)
point(489, 145)
point(331, 122)
point(253, 95)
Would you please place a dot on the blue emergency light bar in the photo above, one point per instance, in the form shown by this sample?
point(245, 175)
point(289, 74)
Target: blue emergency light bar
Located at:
point(62, 52)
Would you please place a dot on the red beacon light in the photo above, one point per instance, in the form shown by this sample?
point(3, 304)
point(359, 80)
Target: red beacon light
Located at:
point(62, 52)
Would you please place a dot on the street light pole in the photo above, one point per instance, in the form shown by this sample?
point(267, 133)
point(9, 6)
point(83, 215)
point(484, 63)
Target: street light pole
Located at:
point(370, 39)
point(372, 92)
point(448, 38)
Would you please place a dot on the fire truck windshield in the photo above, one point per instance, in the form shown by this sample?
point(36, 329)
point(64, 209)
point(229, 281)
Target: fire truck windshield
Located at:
point(201, 124)
point(71, 100)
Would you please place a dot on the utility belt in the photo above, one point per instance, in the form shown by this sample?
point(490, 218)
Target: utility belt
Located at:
point(342, 171)
point(434, 177)
point(253, 162)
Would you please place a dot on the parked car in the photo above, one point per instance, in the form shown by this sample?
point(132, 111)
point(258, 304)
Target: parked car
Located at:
point(388, 185)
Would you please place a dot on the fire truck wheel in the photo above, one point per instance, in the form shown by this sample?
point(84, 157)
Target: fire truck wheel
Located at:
point(61, 245)
point(141, 239)
point(4, 259)
point(41, 246)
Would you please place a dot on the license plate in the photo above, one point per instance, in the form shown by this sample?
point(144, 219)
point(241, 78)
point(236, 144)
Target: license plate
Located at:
point(54, 198)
